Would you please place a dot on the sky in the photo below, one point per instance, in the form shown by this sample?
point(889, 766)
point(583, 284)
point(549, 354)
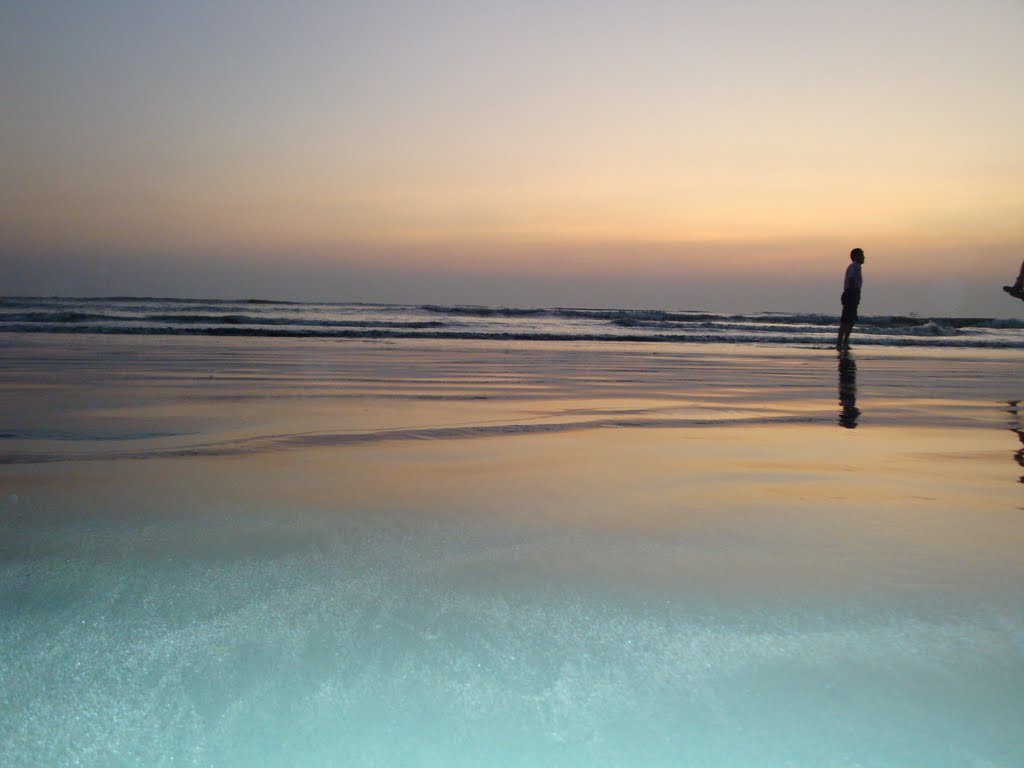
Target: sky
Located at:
point(722, 155)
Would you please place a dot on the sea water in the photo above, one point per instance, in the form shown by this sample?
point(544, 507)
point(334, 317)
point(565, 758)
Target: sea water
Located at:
point(275, 319)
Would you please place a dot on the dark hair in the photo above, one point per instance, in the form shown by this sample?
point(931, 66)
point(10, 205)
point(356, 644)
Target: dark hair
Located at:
point(856, 253)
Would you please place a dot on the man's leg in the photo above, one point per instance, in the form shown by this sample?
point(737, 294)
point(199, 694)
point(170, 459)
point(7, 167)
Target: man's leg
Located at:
point(843, 341)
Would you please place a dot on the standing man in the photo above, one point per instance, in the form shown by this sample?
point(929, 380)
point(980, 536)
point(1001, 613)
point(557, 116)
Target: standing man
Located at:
point(851, 298)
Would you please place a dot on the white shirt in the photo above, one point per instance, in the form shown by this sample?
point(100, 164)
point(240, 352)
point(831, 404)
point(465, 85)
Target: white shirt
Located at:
point(853, 279)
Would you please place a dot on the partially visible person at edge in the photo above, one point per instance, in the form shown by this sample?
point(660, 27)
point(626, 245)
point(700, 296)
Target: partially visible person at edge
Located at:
point(851, 298)
point(1017, 289)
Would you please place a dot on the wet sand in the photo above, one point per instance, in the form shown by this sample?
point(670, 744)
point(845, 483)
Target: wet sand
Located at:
point(315, 553)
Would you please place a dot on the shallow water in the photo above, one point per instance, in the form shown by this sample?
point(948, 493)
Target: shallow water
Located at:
point(276, 554)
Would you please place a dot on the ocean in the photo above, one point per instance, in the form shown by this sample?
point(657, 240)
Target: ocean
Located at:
point(261, 318)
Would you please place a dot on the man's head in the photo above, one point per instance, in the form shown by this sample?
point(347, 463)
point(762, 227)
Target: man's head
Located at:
point(857, 255)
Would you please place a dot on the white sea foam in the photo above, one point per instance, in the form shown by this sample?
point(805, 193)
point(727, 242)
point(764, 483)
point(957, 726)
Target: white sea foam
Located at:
point(148, 316)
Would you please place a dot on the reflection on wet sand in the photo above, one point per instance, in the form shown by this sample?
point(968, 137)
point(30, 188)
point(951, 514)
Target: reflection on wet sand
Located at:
point(405, 553)
point(1017, 427)
point(848, 391)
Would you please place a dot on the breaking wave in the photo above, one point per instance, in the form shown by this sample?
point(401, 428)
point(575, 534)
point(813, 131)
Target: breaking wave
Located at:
point(259, 317)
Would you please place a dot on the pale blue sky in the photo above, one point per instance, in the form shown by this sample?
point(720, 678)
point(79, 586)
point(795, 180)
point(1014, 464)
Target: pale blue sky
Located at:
point(608, 152)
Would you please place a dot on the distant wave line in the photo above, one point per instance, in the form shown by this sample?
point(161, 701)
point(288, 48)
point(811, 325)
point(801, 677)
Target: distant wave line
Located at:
point(357, 320)
point(72, 317)
point(618, 316)
point(21, 300)
point(656, 318)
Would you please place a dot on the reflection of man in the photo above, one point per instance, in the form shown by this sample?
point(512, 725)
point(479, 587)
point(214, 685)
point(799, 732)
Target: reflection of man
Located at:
point(848, 392)
point(851, 298)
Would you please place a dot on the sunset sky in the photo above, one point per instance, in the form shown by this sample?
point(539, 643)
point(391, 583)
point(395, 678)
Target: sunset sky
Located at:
point(696, 154)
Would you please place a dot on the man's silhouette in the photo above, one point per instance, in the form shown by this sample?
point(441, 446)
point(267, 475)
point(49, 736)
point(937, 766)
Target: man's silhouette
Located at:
point(851, 298)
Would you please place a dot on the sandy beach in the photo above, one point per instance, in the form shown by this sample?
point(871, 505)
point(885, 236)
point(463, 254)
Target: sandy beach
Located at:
point(427, 552)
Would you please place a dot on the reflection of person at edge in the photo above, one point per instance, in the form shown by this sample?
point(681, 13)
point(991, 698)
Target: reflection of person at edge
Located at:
point(1018, 430)
point(848, 391)
point(1019, 455)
